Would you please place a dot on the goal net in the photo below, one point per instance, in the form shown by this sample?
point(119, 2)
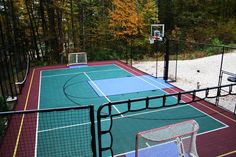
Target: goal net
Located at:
point(78, 58)
point(176, 140)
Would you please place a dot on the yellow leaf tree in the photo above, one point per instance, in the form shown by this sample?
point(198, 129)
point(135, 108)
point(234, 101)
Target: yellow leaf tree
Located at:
point(125, 21)
point(149, 14)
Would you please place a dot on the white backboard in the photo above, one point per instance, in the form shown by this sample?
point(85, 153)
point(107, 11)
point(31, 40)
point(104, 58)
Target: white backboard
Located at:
point(158, 29)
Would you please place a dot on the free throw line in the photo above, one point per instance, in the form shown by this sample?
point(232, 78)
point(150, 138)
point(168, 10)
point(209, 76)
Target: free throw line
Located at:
point(101, 92)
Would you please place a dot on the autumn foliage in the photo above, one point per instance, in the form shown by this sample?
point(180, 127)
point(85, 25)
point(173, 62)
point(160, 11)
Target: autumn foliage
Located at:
point(125, 22)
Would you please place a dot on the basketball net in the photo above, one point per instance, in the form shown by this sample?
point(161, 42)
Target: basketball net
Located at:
point(152, 39)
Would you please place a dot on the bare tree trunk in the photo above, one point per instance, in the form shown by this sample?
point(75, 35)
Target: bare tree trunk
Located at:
point(53, 37)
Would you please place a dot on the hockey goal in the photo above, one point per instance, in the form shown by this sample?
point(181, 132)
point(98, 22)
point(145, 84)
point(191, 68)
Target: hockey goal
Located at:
point(79, 58)
point(176, 140)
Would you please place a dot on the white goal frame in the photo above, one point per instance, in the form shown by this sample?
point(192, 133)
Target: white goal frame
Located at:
point(183, 134)
point(77, 58)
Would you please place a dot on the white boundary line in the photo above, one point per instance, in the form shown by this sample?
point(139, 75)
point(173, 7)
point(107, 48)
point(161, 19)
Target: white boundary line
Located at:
point(131, 115)
point(175, 91)
point(192, 105)
point(96, 86)
point(208, 115)
point(148, 82)
point(164, 85)
point(147, 144)
point(101, 92)
point(80, 73)
point(118, 110)
point(140, 78)
point(66, 68)
point(133, 151)
point(37, 123)
point(225, 126)
point(64, 127)
point(148, 112)
point(176, 98)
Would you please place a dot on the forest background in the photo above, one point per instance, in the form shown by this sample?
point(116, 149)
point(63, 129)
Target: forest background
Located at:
point(105, 28)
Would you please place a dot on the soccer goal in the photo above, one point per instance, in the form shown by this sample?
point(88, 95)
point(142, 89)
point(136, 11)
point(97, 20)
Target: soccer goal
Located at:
point(176, 140)
point(79, 58)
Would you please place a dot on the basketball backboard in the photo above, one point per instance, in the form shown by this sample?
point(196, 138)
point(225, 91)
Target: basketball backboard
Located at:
point(157, 31)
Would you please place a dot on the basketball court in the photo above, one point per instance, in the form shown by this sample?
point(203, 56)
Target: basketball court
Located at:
point(97, 84)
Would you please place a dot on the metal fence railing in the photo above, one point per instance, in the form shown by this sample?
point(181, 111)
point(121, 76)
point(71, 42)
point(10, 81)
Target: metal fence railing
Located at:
point(106, 117)
point(48, 132)
point(15, 48)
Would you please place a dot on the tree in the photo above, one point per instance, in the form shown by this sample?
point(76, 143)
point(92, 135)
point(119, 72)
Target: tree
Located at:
point(125, 22)
point(149, 13)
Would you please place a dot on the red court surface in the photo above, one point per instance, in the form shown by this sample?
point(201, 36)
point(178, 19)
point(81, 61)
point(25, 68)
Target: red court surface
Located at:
point(218, 143)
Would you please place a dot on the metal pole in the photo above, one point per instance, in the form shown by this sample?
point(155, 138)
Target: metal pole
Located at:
point(1, 85)
point(156, 64)
point(93, 130)
point(166, 64)
point(220, 76)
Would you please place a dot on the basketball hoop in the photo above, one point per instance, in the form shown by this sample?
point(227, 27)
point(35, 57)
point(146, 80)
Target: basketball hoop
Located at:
point(157, 33)
point(155, 38)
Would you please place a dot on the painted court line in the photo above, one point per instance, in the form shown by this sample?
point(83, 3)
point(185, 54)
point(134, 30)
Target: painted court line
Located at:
point(131, 115)
point(148, 82)
point(66, 68)
point(96, 86)
point(88, 123)
point(229, 153)
point(37, 123)
point(141, 79)
point(147, 144)
point(67, 74)
point(185, 97)
point(143, 149)
point(225, 126)
point(133, 151)
point(23, 116)
point(200, 104)
point(209, 115)
point(64, 127)
point(218, 112)
point(102, 92)
point(148, 112)
point(188, 104)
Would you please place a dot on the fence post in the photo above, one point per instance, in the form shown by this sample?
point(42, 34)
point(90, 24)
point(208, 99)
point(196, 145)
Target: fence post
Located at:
point(166, 58)
point(93, 131)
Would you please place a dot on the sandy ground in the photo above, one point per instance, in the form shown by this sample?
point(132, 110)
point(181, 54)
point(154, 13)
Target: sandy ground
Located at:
point(197, 73)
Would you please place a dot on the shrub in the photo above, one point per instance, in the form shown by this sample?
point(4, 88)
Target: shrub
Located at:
point(216, 48)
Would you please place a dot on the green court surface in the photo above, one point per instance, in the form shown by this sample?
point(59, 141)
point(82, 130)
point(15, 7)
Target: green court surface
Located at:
point(125, 129)
point(70, 87)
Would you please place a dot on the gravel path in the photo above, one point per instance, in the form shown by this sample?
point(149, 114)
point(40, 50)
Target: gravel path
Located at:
point(198, 73)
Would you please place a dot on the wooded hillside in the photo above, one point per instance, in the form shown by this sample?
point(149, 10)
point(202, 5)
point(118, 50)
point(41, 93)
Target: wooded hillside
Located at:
point(57, 27)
